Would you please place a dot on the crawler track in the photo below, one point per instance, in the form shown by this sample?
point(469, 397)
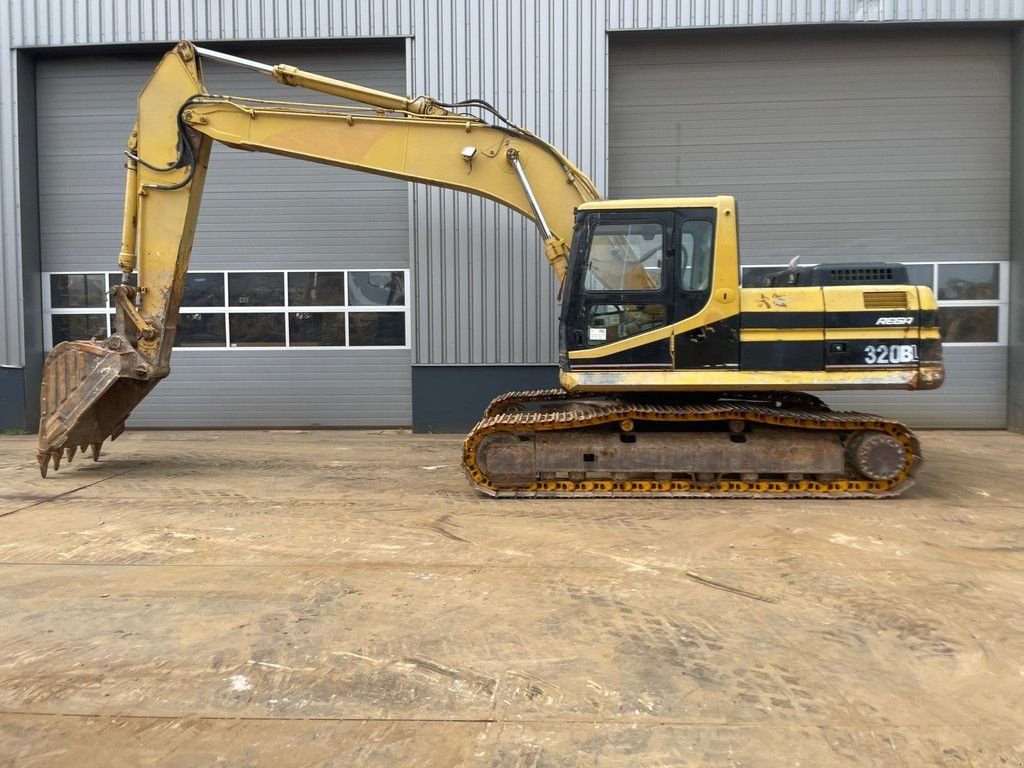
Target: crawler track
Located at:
point(528, 417)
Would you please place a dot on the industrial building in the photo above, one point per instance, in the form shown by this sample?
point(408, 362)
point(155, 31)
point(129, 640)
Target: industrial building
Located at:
point(848, 130)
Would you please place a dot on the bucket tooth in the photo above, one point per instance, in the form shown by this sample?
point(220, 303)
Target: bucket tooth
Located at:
point(96, 451)
point(70, 452)
point(56, 459)
point(44, 462)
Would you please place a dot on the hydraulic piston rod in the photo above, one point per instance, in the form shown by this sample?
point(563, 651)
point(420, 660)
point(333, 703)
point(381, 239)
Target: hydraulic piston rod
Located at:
point(288, 75)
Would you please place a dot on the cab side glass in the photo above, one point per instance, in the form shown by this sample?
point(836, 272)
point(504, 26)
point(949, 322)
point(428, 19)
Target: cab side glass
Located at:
point(695, 253)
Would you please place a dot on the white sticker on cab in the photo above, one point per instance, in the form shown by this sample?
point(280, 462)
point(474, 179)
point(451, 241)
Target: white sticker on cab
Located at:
point(598, 334)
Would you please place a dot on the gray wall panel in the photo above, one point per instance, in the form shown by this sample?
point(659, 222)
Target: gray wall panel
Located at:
point(258, 211)
point(836, 146)
point(297, 388)
point(11, 305)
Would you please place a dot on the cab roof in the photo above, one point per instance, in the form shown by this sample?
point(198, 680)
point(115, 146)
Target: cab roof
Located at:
point(721, 201)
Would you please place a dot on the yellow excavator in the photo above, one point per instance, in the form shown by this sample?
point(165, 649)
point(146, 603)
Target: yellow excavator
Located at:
point(676, 379)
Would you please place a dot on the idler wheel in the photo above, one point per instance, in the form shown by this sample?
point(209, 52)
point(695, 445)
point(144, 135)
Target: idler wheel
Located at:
point(876, 455)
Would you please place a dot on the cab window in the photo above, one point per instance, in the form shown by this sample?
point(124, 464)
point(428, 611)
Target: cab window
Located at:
point(625, 256)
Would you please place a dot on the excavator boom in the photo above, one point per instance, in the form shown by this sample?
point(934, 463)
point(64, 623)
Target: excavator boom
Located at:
point(90, 387)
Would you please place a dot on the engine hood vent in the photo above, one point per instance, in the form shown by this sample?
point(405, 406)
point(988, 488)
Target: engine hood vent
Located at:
point(886, 300)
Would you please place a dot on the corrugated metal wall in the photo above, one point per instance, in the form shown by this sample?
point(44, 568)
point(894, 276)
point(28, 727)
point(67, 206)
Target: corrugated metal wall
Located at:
point(259, 212)
point(484, 264)
point(542, 62)
point(892, 145)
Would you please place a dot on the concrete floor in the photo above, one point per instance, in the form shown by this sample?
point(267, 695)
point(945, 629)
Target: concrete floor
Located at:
point(345, 599)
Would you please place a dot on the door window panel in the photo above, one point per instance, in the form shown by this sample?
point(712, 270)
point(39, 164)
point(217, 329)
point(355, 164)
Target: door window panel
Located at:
point(200, 329)
point(317, 329)
point(203, 289)
point(376, 289)
point(257, 329)
point(78, 327)
point(969, 324)
point(921, 274)
point(255, 289)
point(316, 289)
point(376, 329)
point(78, 291)
point(625, 256)
point(968, 282)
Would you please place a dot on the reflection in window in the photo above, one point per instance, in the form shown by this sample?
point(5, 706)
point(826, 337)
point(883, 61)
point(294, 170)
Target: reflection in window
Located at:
point(78, 291)
point(200, 329)
point(317, 329)
point(625, 257)
point(255, 289)
point(376, 329)
point(610, 322)
point(257, 329)
point(203, 289)
point(968, 281)
point(969, 324)
point(78, 327)
point(376, 289)
point(316, 289)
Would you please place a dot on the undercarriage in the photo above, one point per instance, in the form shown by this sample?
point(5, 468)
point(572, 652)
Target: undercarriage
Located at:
point(551, 444)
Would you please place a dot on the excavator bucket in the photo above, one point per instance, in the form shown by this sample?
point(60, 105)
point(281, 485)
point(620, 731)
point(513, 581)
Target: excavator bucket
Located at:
point(89, 389)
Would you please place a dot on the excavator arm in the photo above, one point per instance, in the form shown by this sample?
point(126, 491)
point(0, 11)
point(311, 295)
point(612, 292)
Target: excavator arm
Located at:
point(90, 387)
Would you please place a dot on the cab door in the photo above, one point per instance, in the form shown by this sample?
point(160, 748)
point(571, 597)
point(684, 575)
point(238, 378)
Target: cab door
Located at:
point(622, 278)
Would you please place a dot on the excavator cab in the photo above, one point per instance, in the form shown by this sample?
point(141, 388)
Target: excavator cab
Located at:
point(641, 283)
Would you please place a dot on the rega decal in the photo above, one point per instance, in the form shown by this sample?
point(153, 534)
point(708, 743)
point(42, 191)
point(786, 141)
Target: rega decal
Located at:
point(894, 321)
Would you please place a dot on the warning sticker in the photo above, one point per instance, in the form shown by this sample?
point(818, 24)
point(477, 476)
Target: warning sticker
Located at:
point(598, 334)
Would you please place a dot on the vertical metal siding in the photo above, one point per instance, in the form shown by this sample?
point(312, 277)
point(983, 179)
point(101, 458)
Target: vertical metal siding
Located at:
point(677, 14)
point(11, 302)
point(75, 22)
point(542, 65)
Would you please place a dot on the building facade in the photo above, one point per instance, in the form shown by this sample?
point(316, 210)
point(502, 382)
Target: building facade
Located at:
point(848, 130)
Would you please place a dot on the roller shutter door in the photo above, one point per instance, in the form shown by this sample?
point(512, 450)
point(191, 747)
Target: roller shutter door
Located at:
point(839, 146)
point(259, 213)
